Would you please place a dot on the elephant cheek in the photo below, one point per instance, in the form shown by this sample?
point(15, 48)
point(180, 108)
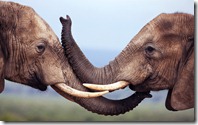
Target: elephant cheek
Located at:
point(143, 73)
point(53, 75)
point(136, 73)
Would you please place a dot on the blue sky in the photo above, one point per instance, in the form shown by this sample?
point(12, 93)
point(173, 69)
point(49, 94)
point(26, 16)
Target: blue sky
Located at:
point(105, 24)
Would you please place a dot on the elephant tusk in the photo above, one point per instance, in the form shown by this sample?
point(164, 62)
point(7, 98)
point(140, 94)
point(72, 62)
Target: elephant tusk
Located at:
point(74, 92)
point(109, 87)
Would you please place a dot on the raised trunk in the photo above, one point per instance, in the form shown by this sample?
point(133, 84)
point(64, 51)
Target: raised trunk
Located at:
point(85, 71)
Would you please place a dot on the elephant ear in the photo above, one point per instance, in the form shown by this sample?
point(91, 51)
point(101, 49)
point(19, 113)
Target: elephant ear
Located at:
point(1, 70)
point(181, 97)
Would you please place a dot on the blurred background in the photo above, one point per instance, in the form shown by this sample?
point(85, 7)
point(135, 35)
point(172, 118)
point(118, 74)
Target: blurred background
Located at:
point(101, 28)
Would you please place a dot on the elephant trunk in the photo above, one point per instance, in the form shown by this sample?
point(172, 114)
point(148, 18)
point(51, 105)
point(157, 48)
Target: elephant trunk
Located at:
point(100, 105)
point(85, 71)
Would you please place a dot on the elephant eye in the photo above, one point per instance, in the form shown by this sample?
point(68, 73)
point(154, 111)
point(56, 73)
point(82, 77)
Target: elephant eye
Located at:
point(40, 48)
point(149, 50)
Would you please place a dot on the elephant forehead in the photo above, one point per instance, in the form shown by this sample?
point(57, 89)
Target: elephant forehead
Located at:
point(42, 29)
point(33, 27)
point(177, 23)
point(144, 36)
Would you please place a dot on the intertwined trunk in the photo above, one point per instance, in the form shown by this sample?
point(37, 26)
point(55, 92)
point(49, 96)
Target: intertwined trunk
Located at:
point(100, 105)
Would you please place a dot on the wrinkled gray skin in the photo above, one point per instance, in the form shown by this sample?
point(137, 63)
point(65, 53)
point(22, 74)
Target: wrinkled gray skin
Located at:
point(29, 48)
point(160, 56)
point(31, 54)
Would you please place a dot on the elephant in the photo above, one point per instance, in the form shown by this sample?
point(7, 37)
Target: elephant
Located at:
point(159, 57)
point(31, 54)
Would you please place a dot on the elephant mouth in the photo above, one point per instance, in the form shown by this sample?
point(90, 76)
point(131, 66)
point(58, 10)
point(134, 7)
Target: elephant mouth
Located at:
point(37, 84)
point(139, 88)
point(147, 84)
point(61, 86)
point(142, 87)
point(42, 87)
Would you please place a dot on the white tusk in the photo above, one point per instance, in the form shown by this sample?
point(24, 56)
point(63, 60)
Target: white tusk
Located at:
point(74, 92)
point(109, 87)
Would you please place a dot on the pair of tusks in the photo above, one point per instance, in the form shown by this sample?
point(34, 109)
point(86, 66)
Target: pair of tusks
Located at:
point(103, 88)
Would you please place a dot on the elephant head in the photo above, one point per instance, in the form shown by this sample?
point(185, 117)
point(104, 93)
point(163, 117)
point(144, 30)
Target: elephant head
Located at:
point(31, 54)
point(160, 56)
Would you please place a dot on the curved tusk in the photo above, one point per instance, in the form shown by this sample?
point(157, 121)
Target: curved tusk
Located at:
point(74, 92)
point(109, 87)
